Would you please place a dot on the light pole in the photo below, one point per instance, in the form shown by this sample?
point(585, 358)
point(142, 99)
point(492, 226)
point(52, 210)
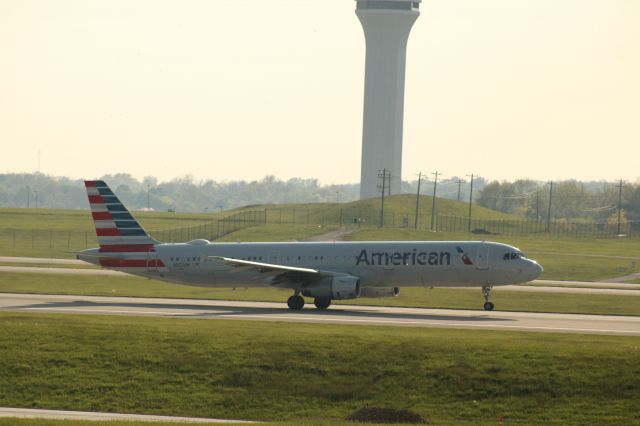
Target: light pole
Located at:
point(470, 201)
point(28, 196)
point(549, 210)
point(36, 191)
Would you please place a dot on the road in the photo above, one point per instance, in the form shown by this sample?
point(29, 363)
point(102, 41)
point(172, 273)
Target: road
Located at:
point(338, 314)
point(28, 413)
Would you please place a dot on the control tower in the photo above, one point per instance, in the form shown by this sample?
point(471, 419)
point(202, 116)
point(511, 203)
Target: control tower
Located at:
point(386, 25)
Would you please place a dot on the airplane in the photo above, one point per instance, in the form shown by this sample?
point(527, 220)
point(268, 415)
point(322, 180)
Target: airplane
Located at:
point(325, 271)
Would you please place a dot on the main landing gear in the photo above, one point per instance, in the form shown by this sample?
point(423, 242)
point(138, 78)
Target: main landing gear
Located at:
point(296, 302)
point(486, 291)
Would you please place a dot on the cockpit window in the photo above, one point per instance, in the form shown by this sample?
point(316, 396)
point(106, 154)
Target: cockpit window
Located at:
point(513, 255)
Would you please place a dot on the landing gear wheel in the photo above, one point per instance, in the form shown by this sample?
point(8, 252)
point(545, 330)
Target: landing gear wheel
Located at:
point(322, 303)
point(295, 303)
point(486, 292)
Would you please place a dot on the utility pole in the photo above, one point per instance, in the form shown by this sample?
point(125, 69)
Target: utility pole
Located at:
point(383, 176)
point(433, 200)
point(459, 183)
point(36, 191)
point(549, 212)
point(418, 199)
point(28, 196)
point(470, 201)
point(620, 186)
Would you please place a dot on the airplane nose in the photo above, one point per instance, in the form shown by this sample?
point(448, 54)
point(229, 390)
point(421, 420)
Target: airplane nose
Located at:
point(537, 269)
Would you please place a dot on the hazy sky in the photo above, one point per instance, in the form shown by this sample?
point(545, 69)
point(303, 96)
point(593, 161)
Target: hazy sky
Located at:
point(227, 90)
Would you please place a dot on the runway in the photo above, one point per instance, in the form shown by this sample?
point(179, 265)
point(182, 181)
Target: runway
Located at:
point(337, 314)
point(538, 286)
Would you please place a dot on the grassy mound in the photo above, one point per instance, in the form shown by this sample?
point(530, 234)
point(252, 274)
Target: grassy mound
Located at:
point(385, 415)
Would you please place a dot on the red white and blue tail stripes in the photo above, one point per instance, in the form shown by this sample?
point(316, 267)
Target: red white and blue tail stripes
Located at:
point(117, 229)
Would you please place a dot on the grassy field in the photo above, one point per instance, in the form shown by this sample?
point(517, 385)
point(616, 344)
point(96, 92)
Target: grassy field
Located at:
point(278, 371)
point(563, 258)
point(80, 220)
point(58, 233)
point(409, 297)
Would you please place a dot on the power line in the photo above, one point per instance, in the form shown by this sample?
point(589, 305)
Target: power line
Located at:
point(383, 176)
point(433, 200)
point(549, 211)
point(620, 186)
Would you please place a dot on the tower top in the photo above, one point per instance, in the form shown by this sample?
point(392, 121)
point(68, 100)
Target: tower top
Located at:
point(388, 4)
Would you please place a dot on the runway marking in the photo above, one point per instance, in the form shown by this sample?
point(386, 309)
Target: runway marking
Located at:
point(112, 311)
point(31, 413)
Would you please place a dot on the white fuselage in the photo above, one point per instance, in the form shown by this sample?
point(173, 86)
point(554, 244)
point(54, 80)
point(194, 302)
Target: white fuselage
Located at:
point(377, 264)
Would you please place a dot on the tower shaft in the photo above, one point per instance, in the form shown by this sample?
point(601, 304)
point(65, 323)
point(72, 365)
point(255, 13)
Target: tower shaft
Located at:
point(386, 25)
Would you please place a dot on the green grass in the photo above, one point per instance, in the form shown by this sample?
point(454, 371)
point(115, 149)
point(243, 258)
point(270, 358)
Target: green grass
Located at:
point(396, 208)
point(409, 297)
point(276, 233)
point(80, 220)
point(278, 371)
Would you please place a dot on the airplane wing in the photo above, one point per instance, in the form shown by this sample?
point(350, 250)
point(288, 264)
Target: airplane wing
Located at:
point(267, 268)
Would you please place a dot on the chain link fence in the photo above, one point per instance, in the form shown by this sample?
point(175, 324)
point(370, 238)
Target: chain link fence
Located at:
point(332, 215)
point(559, 228)
point(78, 240)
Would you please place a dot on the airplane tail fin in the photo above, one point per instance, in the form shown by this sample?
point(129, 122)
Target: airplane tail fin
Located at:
point(116, 228)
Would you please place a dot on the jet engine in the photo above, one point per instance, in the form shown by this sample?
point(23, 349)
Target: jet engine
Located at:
point(336, 288)
point(379, 292)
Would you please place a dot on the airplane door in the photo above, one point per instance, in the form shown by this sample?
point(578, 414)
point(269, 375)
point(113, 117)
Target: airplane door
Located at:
point(274, 257)
point(152, 261)
point(482, 259)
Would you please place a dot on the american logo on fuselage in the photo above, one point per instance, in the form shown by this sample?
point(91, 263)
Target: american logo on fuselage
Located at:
point(405, 258)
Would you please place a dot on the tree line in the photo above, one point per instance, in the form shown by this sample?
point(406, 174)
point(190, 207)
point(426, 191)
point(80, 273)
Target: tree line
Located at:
point(571, 200)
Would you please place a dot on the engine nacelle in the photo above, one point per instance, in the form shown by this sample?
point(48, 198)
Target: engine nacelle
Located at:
point(379, 292)
point(336, 288)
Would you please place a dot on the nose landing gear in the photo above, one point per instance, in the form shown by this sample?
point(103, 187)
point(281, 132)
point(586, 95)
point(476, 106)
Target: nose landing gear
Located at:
point(486, 291)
